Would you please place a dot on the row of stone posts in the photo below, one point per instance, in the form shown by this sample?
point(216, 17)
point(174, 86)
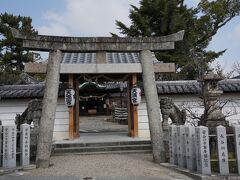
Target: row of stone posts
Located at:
point(189, 148)
point(8, 146)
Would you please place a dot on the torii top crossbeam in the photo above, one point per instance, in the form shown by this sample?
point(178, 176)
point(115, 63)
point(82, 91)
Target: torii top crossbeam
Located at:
point(94, 44)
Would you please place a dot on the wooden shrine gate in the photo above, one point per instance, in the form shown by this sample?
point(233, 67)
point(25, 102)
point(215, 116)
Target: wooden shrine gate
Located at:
point(57, 45)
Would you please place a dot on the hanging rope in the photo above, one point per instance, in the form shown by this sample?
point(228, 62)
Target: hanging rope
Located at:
point(81, 98)
point(95, 78)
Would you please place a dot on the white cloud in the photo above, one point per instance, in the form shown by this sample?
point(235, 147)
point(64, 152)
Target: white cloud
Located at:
point(52, 16)
point(87, 17)
point(53, 29)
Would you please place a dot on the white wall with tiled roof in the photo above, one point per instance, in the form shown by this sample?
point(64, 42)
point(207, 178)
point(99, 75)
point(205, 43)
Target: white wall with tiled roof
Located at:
point(10, 107)
point(193, 103)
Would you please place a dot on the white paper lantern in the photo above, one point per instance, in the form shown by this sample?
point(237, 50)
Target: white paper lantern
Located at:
point(136, 96)
point(69, 97)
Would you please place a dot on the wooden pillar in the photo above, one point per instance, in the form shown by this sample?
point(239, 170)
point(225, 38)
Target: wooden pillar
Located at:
point(132, 110)
point(76, 132)
point(72, 109)
point(129, 107)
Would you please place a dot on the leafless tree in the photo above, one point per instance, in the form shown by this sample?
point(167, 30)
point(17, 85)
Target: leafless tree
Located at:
point(206, 103)
point(236, 67)
point(218, 69)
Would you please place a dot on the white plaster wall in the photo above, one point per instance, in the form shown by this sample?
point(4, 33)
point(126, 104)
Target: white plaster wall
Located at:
point(193, 103)
point(10, 107)
point(143, 127)
point(61, 121)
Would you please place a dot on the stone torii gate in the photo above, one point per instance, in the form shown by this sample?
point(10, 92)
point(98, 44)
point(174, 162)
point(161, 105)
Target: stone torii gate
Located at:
point(56, 45)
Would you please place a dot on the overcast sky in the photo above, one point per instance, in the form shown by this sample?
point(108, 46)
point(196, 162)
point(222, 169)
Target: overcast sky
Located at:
point(97, 18)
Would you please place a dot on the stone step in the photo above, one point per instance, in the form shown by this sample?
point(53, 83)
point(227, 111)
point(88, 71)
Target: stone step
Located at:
point(100, 144)
point(102, 148)
point(106, 152)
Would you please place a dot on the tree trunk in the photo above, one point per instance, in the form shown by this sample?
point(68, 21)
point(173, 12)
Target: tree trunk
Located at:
point(153, 106)
point(46, 126)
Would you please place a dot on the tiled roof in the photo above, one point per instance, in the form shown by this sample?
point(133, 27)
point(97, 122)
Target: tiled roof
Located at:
point(193, 87)
point(79, 58)
point(230, 85)
point(37, 90)
point(163, 87)
point(112, 58)
point(236, 77)
point(26, 91)
point(176, 87)
point(15, 91)
point(25, 78)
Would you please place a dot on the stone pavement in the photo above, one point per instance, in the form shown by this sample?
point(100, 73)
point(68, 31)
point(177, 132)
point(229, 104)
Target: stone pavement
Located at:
point(100, 124)
point(102, 137)
point(77, 178)
point(100, 167)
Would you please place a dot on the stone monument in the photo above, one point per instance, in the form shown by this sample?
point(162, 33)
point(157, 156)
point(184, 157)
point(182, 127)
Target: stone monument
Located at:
point(173, 144)
point(181, 147)
point(202, 152)
point(237, 146)
point(9, 147)
point(25, 145)
point(222, 150)
point(211, 93)
point(190, 140)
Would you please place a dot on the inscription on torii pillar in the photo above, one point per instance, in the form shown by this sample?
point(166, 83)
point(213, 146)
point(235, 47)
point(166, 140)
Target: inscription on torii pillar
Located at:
point(57, 44)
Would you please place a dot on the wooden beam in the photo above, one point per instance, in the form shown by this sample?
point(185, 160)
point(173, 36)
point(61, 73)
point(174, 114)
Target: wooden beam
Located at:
point(72, 112)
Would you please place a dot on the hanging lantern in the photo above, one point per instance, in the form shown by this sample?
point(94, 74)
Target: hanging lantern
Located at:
point(136, 96)
point(69, 97)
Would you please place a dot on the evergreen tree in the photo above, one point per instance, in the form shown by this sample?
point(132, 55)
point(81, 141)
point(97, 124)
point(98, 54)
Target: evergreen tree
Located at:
point(12, 56)
point(163, 17)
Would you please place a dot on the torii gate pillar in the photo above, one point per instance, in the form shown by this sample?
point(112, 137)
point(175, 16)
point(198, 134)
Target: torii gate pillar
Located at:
point(48, 109)
point(153, 107)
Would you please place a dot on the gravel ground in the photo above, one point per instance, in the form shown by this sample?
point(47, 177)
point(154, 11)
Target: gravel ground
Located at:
point(114, 165)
